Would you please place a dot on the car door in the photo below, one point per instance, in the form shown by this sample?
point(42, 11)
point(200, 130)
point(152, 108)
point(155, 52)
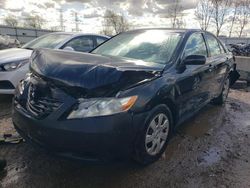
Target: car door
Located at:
point(81, 44)
point(217, 59)
point(193, 84)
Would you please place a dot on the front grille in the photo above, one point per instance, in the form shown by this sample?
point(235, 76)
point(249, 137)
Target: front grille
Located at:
point(40, 106)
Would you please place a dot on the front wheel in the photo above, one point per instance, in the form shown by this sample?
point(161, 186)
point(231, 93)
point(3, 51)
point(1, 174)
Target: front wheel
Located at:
point(223, 96)
point(152, 141)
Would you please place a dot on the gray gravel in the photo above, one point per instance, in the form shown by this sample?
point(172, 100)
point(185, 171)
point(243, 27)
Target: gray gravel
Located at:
point(210, 150)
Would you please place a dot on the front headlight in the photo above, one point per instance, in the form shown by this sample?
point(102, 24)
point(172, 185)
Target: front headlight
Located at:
point(102, 107)
point(23, 83)
point(14, 65)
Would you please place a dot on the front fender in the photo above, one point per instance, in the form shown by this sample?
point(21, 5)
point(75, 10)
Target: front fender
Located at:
point(150, 94)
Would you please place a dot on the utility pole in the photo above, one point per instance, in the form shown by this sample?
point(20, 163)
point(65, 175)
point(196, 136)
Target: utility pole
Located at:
point(61, 20)
point(76, 21)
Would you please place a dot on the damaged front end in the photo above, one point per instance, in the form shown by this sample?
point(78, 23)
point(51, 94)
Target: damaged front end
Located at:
point(79, 79)
point(89, 76)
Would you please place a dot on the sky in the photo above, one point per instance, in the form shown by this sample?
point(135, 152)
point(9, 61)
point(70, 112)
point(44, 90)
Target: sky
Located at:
point(139, 13)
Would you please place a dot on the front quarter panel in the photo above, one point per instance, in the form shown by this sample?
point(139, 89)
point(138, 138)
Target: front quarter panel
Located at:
point(150, 93)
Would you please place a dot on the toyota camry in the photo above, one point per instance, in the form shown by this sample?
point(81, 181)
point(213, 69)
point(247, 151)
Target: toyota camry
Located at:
point(126, 98)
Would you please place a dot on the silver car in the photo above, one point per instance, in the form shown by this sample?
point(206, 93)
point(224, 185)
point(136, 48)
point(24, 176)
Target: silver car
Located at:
point(14, 62)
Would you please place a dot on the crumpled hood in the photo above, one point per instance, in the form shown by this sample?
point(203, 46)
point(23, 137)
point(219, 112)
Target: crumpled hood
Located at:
point(90, 71)
point(14, 54)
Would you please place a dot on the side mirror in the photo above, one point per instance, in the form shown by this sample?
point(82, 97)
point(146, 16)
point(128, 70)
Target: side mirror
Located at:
point(68, 48)
point(194, 60)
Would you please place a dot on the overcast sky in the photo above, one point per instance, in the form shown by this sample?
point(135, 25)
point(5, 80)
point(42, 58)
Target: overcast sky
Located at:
point(141, 13)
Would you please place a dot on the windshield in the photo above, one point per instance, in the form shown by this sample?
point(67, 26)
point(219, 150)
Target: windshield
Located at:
point(151, 46)
point(46, 41)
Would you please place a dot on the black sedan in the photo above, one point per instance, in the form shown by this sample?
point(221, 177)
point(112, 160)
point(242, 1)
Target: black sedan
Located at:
point(124, 99)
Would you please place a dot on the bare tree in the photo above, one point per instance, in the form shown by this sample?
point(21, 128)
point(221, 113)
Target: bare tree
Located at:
point(34, 21)
point(107, 31)
point(114, 23)
point(180, 23)
point(11, 20)
point(220, 11)
point(235, 6)
point(175, 14)
point(203, 13)
point(244, 15)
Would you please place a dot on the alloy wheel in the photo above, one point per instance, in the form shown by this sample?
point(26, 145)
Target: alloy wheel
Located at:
point(157, 134)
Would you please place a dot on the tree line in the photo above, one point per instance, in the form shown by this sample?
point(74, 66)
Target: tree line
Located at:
point(231, 16)
point(30, 21)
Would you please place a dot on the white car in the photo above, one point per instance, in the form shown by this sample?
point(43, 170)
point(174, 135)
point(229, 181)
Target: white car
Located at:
point(14, 62)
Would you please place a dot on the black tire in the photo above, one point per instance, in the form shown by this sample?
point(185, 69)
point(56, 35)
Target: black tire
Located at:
point(220, 100)
point(141, 155)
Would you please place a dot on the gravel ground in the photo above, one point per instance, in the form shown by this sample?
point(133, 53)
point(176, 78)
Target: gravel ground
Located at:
point(210, 150)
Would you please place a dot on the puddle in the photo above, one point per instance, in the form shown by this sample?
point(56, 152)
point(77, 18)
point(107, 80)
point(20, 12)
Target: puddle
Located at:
point(172, 147)
point(199, 126)
point(209, 117)
point(210, 157)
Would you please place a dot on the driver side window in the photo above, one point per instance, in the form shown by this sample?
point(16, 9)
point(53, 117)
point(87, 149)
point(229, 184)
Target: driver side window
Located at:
point(195, 45)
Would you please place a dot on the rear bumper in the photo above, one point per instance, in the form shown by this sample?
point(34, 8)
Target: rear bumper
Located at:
point(91, 139)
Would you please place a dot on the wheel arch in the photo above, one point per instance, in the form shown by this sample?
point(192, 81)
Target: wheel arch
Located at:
point(169, 102)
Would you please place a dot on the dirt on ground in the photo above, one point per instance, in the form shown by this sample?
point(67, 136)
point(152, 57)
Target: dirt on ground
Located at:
point(210, 150)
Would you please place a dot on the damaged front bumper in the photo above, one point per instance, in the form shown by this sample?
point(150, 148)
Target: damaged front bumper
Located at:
point(90, 139)
point(40, 114)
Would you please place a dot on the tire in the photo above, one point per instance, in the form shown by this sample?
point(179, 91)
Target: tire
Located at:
point(147, 152)
point(220, 100)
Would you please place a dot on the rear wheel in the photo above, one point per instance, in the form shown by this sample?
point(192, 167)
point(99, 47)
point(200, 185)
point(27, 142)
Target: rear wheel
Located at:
point(223, 96)
point(153, 140)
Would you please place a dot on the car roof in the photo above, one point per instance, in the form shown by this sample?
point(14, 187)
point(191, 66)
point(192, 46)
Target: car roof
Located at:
point(182, 31)
point(75, 34)
point(177, 30)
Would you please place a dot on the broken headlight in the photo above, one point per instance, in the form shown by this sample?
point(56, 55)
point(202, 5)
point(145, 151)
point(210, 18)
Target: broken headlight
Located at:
point(102, 107)
point(23, 83)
